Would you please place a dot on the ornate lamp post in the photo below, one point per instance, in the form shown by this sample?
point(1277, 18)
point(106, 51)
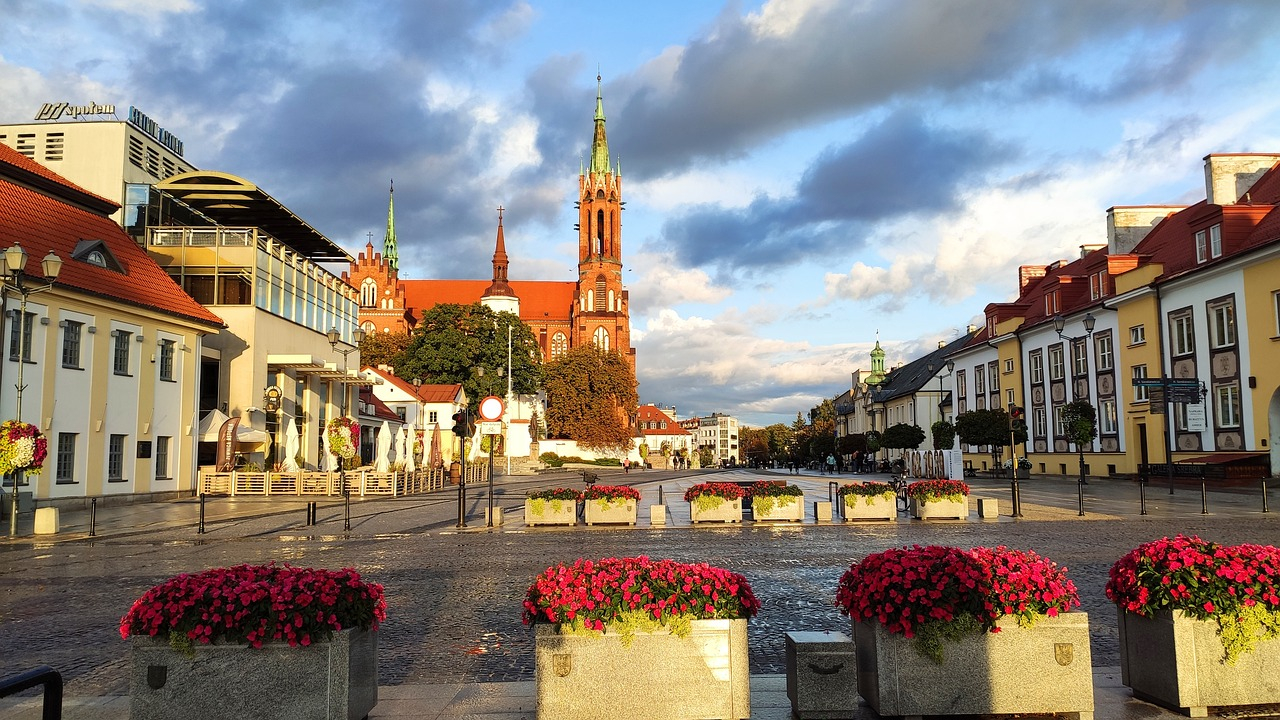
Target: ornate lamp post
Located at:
point(1060, 323)
point(15, 278)
point(357, 336)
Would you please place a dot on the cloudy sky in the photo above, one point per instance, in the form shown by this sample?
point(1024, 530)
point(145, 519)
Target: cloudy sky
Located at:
point(799, 174)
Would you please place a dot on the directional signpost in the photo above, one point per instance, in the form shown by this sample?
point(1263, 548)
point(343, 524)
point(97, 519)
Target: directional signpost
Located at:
point(1162, 391)
point(491, 411)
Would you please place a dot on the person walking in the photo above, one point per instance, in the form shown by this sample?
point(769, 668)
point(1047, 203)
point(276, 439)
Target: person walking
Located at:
point(831, 464)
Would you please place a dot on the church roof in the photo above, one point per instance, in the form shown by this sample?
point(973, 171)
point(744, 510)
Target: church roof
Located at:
point(539, 299)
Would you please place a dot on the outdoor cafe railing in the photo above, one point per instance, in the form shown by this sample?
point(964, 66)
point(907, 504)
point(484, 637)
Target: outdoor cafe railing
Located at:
point(362, 482)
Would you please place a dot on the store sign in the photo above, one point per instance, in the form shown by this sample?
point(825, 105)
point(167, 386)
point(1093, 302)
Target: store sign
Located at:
point(226, 460)
point(1196, 418)
point(53, 111)
point(139, 120)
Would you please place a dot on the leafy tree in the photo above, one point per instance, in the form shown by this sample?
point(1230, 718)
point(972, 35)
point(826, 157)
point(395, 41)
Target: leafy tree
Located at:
point(850, 444)
point(452, 341)
point(383, 348)
point(1080, 421)
point(990, 428)
point(874, 441)
point(903, 437)
point(944, 435)
point(754, 443)
point(591, 398)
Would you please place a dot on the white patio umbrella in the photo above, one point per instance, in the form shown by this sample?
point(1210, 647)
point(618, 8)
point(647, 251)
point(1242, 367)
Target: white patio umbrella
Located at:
point(291, 446)
point(400, 443)
point(425, 462)
point(383, 461)
point(412, 434)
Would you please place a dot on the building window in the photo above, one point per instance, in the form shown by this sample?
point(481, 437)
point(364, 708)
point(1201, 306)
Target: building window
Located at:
point(601, 339)
point(162, 457)
point(1137, 334)
point(65, 470)
point(1180, 419)
point(1107, 417)
point(24, 337)
point(368, 293)
point(1057, 369)
point(1079, 358)
point(1098, 285)
point(559, 345)
point(121, 352)
point(1215, 241)
point(1039, 422)
point(1202, 247)
point(115, 459)
point(1008, 366)
point(1106, 354)
point(1228, 405)
point(1275, 304)
point(1036, 360)
point(1051, 303)
point(961, 386)
point(1182, 335)
point(71, 343)
point(979, 380)
point(1008, 397)
point(166, 360)
point(994, 373)
point(1059, 426)
point(1139, 372)
point(433, 416)
point(1222, 325)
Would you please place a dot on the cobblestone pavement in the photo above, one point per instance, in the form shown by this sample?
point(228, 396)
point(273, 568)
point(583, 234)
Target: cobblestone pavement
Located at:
point(454, 595)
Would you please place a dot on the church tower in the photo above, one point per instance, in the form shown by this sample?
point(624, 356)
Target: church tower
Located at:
point(389, 250)
point(602, 311)
point(499, 296)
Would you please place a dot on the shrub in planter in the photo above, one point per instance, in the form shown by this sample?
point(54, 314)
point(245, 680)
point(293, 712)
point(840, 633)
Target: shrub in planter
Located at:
point(765, 494)
point(1235, 587)
point(540, 500)
point(711, 494)
point(611, 494)
point(936, 593)
point(936, 490)
point(866, 491)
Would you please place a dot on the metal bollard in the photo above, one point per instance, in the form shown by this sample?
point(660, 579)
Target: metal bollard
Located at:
point(660, 500)
point(1080, 497)
point(1265, 509)
point(833, 489)
point(1204, 498)
point(1142, 496)
point(200, 530)
point(93, 516)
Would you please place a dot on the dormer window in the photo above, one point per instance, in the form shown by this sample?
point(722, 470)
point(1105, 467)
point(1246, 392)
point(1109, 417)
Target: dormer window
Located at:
point(1215, 241)
point(1051, 303)
point(1202, 246)
point(1098, 285)
point(95, 252)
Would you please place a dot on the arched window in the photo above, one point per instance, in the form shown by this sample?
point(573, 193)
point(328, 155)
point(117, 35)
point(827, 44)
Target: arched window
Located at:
point(611, 305)
point(601, 339)
point(368, 327)
point(559, 345)
point(591, 298)
point(369, 293)
point(601, 295)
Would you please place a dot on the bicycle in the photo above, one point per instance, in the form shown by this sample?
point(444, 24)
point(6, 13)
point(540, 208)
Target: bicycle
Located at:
point(899, 483)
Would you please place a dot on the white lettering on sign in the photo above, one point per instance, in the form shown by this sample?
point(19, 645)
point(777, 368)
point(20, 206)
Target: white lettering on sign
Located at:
point(53, 111)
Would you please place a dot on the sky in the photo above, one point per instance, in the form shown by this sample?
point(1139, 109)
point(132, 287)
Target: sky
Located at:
point(801, 176)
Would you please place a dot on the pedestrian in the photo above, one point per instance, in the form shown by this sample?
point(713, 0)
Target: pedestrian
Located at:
point(626, 466)
point(831, 464)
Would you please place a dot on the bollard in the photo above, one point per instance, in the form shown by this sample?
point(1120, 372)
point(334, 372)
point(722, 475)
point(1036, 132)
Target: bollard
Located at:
point(660, 500)
point(1142, 495)
point(1204, 498)
point(833, 489)
point(93, 512)
point(1265, 509)
point(200, 530)
point(1080, 497)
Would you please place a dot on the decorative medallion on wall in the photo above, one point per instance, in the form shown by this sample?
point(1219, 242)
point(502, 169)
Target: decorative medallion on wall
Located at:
point(1041, 446)
point(1228, 441)
point(1106, 385)
point(1059, 445)
point(1224, 365)
point(1058, 393)
point(1037, 395)
point(1188, 442)
point(1184, 368)
point(1110, 444)
point(1082, 389)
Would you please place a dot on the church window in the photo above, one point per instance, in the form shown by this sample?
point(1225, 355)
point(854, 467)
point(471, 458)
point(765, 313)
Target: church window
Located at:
point(600, 295)
point(601, 339)
point(611, 305)
point(591, 298)
point(369, 293)
point(368, 327)
point(559, 345)
point(599, 232)
point(599, 194)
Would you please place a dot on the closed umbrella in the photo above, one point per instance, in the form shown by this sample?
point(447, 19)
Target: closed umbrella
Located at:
point(409, 464)
point(291, 446)
point(400, 443)
point(437, 452)
point(384, 448)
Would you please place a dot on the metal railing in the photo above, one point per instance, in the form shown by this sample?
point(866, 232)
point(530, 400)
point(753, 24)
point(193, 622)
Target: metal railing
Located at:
point(45, 676)
point(362, 483)
point(200, 236)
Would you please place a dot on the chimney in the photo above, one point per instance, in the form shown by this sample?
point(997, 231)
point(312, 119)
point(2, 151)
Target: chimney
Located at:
point(1128, 225)
point(1228, 176)
point(942, 344)
point(1086, 249)
point(1028, 274)
point(970, 328)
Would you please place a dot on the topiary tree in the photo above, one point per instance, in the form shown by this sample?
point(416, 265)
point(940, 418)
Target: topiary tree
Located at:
point(902, 437)
point(944, 435)
point(1080, 421)
point(990, 428)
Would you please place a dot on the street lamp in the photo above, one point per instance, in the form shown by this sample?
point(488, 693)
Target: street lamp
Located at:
point(335, 337)
point(1060, 323)
point(15, 278)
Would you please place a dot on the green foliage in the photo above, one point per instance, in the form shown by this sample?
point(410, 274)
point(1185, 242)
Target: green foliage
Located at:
point(944, 435)
point(644, 451)
point(873, 438)
point(1080, 421)
point(452, 341)
point(591, 397)
point(551, 459)
point(932, 634)
point(383, 348)
point(903, 436)
point(988, 427)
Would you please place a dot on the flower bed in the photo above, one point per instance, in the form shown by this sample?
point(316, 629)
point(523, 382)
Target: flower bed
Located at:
point(869, 500)
point(558, 506)
point(611, 493)
point(775, 499)
point(935, 490)
point(22, 447)
point(610, 504)
point(715, 502)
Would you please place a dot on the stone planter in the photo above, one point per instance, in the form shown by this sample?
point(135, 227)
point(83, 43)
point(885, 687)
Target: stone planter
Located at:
point(332, 680)
point(871, 507)
point(1176, 661)
point(603, 511)
point(1042, 669)
point(792, 511)
point(727, 511)
point(931, 509)
point(550, 512)
point(660, 676)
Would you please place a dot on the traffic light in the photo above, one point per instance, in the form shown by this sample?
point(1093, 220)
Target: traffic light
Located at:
point(1016, 413)
point(463, 424)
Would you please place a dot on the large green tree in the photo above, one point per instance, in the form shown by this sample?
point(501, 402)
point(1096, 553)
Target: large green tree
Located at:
point(591, 398)
point(902, 437)
point(383, 348)
point(1080, 421)
point(453, 342)
point(990, 428)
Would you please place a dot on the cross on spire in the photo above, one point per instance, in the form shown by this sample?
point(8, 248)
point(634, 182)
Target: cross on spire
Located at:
point(500, 209)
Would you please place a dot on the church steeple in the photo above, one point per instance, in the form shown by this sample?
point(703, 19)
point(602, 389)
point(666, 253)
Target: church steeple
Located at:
point(389, 251)
point(499, 296)
point(877, 363)
point(599, 144)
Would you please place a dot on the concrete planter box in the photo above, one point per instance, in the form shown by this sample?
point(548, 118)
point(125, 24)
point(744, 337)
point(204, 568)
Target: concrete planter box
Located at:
point(930, 509)
point(1042, 669)
point(727, 511)
point(821, 682)
point(792, 511)
point(660, 676)
point(1176, 661)
point(604, 511)
point(871, 507)
point(550, 512)
point(334, 680)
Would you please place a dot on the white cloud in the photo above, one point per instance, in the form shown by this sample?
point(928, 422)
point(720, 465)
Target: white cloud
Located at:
point(660, 282)
point(145, 8)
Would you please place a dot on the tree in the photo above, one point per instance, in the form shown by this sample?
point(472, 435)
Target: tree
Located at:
point(591, 398)
point(383, 348)
point(990, 428)
point(452, 342)
point(902, 437)
point(1080, 422)
point(944, 435)
point(754, 443)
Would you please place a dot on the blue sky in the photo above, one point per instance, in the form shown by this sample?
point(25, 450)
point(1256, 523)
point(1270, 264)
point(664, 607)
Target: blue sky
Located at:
point(800, 174)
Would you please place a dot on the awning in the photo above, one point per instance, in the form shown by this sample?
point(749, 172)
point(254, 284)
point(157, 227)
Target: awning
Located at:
point(212, 422)
point(1224, 458)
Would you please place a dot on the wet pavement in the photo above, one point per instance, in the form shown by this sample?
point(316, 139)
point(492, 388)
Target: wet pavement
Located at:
point(453, 632)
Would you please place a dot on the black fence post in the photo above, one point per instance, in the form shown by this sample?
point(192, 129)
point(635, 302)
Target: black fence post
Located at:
point(93, 515)
point(44, 675)
point(200, 530)
point(1265, 509)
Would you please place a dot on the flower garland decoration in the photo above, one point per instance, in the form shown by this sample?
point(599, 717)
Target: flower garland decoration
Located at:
point(1236, 586)
point(710, 495)
point(936, 593)
point(22, 447)
point(636, 594)
point(937, 490)
point(608, 495)
point(255, 604)
point(344, 437)
point(868, 490)
point(767, 493)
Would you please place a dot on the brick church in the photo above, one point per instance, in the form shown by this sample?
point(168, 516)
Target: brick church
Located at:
point(562, 315)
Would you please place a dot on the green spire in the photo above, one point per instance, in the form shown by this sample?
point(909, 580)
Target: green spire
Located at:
point(877, 363)
point(599, 145)
point(389, 252)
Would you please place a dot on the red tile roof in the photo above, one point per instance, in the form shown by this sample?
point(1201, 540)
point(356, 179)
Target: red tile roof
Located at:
point(539, 299)
point(444, 393)
point(58, 215)
point(650, 413)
